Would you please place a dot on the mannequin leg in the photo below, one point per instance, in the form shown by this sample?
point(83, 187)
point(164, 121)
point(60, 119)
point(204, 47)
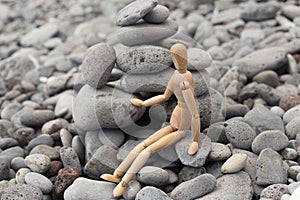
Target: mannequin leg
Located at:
point(115, 177)
point(142, 158)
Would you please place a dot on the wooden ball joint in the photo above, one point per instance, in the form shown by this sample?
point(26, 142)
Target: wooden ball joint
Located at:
point(184, 117)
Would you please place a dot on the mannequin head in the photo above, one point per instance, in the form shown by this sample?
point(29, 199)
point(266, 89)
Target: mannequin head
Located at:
point(179, 57)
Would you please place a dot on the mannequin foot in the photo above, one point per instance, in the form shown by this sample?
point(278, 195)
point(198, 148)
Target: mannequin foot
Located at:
point(111, 178)
point(119, 189)
point(193, 148)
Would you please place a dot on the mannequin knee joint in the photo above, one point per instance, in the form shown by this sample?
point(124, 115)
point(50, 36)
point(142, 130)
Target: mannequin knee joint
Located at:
point(181, 134)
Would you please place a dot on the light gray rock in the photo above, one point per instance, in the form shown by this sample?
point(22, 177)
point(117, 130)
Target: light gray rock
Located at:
point(231, 186)
point(240, 134)
point(269, 94)
point(111, 137)
point(143, 33)
point(203, 31)
point(86, 189)
point(69, 158)
point(157, 15)
point(270, 168)
point(134, 11)
point(197, 160)
point(98, 64)
point(259, 11)
point(144, 59)
point(65, 137)
point(105, 108)
point(39, 35)
point(218, 152)
point(234, 164)
point(150, 193)
point(293, 186)
point(262, 119)
point(39, 181)
point(103, 161)
point(22, 192)
point(273, 139)
point(56, 84)
point(38, 162)
point(10, 110)
point(217, 53)
point(277, 110)
point(274, 191)
point(264, 59)
point(293, 171)
point(155, 176)
point(13, 152)
point(20, 175)
point(194, 188)
point(226, 16)
point(289, 154)
point(291, 11)
point(63, 106)
point(252, 35)
point(291, 114)
point(293, 128)
point(54, 125)
point(198, 59)
point(132, 189)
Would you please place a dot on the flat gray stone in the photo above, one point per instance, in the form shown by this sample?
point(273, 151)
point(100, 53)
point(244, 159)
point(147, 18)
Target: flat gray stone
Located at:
point(98, 64)
point(143, 33)
point(273, 139)
point(22, 192)
point(104, 108)
point(270, 168)
point(86, 189)
point(37, 118)
point(262, 119)
point(39, 35)
point(194, 188)
point(197, 160)
point(157, 15)
point(150, 175)
point(240, 134)
point(134, 11)
point(271, 58)
point(198, 59)
point(144, 59)
point(150, 193)
point(231, 186)
point(103, 161)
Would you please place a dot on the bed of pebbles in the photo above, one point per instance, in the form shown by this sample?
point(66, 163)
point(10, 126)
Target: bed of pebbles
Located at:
point(67, 72)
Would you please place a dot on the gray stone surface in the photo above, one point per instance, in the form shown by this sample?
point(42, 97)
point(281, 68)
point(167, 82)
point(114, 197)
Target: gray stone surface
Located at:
point(41, 139)
point(267, 77)
point(132, 189)
point(39, 181)
point(10, 110)
point(270, 168)
point(194, 188)
point(197, 160)
point(4, 168)
point(259, 11)
point(291, 114)
point(110, 107)
point(38, 162)
point(143, 33)
point(218, 152)
point(231, 186)
point(291, 11)
point(13, 152)
point(98, 64)
point(7, 142)
point(69, 158)
point(293, 128)
point(37, 118)
point(134, 11)
point(150, 175)
point(274, 191)
point(150, 193)
point(22, 192)
point(234, 164)
point(273, 139)
point(20, 175)
point(86, 189)
point(112, 137)
point(269, 94)
point(157, 15)
point(198, 59)
point(240, 134)
point(103, 161)
point(51, 152)
point(144, 59)
point(262, 119)
point(264, 59)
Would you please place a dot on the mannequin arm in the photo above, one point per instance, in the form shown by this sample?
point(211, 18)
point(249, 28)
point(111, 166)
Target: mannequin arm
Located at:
point(195, 122)
point(154, 100)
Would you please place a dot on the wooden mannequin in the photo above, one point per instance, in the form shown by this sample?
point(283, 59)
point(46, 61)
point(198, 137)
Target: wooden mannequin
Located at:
point(184, 116)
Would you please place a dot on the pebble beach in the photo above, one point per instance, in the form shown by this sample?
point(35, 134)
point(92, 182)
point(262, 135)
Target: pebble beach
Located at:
point(68, 70)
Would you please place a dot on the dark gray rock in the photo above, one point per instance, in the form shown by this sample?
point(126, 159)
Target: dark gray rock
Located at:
point(98, 64)
point(7, 142)
point(13, 152)
point(197, 160)
point(270, 168)
point(231, 186)
point(144, 59)
point(134, 11)
point(157, 15)
point(273, 139)
point(143, 33)
point(203, 31)
point(4, 168)
point(264, 59)
point(22, 192)
point(155, 176)
point(3, 89)
point(235, 110)
point(240, 134)
point(150, 193)
point(269, 94)
point(132, 189)
point(267, 77)
point(87, 189)
point(37, 118)
point(103, 161)
point(194, 188)
point(51, 152)
point(41, 139)
point(104, 108)
point(188, 173)
point(259, 11)
point(18, 163)
point(69, 158)
point(262, 119)
point(216, 132)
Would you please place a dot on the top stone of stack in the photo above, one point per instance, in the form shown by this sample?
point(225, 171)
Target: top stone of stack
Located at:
point(134, 11)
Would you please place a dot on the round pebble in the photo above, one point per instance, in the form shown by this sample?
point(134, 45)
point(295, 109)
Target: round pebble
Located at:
point(38, 162)
point(20, 175)
point(157, 15)
point(39, 181)
point(155, 176)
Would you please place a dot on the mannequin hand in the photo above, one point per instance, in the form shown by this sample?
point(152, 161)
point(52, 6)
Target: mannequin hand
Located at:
point(136, 102)
point(193, 148)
